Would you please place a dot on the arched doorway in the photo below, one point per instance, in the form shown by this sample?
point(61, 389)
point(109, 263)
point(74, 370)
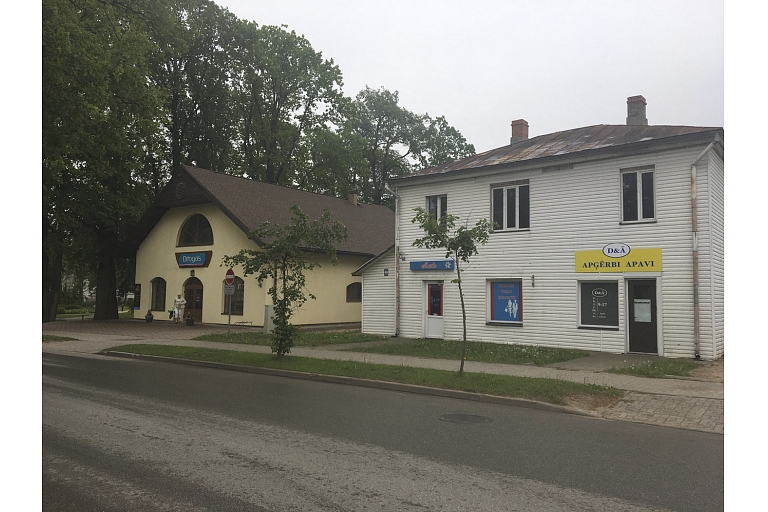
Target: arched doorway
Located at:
point(193, 294)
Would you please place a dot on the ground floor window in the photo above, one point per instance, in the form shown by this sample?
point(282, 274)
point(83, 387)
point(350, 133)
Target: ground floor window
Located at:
point(506, 301)
point(355, 292)
point(158, 294)
point(599, 304)
point(238, 299)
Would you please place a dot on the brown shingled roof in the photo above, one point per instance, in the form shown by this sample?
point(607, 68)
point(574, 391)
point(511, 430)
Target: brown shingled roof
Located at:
point(248, 203)
point(584, 141)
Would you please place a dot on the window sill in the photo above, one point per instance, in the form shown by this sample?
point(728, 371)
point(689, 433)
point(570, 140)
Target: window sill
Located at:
point(598, 328)
point(631, 222)
point(495, 322)
point(523, 230)
point(233, 314)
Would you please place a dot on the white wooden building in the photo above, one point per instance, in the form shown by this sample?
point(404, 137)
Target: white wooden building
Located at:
point(607, 238)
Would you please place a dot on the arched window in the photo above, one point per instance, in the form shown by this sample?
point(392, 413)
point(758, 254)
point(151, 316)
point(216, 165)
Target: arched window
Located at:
point(238, 299)
point(355, 292)
point(196, 231)
point(158, 294)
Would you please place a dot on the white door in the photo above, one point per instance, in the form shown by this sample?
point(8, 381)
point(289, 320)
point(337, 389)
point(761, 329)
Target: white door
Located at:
point(433, 318)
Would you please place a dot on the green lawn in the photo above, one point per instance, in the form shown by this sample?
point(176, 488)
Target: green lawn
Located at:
point(546, 390)
point(53, 337)
point(88, 314)
point(304, 339)
point(483, 352)
point(672, 367)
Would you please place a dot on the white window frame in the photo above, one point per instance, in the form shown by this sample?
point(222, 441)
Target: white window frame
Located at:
point(442, 200)
point(505, 188)
point(638, 172)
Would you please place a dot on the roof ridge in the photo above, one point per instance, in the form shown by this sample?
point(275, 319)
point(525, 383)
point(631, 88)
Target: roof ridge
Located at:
point(253, 180)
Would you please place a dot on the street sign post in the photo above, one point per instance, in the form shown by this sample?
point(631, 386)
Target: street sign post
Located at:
point(229, 290)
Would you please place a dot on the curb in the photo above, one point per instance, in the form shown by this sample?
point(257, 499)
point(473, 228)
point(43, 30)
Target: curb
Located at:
point(353, 381)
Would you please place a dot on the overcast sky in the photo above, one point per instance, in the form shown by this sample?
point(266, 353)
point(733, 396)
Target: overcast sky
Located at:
point(483, 63)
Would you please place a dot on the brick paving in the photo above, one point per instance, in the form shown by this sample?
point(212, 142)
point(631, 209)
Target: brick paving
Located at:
point(692, 413)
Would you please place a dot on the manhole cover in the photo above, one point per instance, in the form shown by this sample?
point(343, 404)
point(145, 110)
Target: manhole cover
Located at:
point(463, 418)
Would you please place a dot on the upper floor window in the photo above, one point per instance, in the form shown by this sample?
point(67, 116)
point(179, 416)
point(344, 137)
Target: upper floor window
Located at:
point(158, 294)
point(511, 207)
point(196, 231)
point(355, 292)
point(637, 196)
point(437, 206)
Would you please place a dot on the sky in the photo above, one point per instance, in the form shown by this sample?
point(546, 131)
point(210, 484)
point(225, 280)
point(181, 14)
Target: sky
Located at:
point(484, 63)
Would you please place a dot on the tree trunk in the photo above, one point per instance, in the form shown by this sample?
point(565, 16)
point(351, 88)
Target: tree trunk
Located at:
point(51, 285)
point(52, 270)
point(463, 319)
point(106, 282)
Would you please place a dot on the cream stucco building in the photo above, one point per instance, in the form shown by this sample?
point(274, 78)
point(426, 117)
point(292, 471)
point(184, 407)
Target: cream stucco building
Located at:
point(201, 216)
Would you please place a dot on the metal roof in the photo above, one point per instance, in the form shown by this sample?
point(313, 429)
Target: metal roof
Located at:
point(587, 141)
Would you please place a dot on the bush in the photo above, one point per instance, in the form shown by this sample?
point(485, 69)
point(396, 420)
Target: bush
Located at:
point(73, 309)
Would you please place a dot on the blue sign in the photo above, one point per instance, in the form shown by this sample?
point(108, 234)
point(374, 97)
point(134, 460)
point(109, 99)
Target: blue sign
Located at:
point(507, 301)
point(192, 259)
point(433, 265)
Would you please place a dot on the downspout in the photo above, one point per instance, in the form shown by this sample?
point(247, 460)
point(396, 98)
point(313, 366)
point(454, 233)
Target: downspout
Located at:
point(695, 232)
point(397, 258)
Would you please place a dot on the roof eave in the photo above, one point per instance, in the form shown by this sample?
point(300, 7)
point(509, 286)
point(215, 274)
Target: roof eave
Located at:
point(359, 271)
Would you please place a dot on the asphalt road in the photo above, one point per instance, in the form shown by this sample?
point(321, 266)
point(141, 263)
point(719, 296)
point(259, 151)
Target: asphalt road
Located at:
point(134, 435)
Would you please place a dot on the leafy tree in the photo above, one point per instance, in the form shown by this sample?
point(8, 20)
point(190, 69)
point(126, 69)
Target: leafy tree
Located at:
point(460, 244)
point(387, 131)
point(283, 258)
point(98, 113)
point(283, 89)
point(193, 67)
point(442, 143)
point(395, 141)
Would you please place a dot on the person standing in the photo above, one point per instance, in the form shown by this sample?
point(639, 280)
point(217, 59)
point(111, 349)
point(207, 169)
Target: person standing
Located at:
point(178, 305)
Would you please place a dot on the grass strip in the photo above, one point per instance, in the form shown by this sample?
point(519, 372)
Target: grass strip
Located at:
point(304, 339)
point(672, 367)
point(53, 337)
point(476, 351)
point(545, 390)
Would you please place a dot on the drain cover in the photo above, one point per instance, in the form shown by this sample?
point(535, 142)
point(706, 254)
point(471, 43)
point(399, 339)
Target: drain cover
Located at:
point(463, 418)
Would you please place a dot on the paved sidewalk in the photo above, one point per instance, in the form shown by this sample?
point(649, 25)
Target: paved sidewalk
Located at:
point(674, 402)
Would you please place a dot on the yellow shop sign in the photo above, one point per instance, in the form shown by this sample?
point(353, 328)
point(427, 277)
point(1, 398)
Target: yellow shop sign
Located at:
point(619, 258)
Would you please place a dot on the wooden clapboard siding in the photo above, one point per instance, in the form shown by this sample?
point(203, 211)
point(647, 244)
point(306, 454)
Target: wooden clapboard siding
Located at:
point(379, 296)
point(573, 208)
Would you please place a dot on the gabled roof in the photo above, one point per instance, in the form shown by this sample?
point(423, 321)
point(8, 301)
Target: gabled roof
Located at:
point(248, 203)
point(588, 142)
point(373, 260)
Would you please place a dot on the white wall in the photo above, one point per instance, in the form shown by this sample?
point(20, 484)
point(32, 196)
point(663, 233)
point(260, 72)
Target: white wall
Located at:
point(379, 296)
point(574, 209)
point(715, 302)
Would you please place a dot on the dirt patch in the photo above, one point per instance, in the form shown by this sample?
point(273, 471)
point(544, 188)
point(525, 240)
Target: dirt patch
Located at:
point(710, 370)
point(588, 402)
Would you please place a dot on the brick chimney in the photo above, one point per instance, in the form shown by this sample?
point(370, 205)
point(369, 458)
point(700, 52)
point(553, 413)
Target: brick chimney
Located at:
point(352, 196)
point(636, 111)
point(519, 131)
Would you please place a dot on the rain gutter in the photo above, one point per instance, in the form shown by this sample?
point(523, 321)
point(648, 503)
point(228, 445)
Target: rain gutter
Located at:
point(695, 232)
point(397, 257)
